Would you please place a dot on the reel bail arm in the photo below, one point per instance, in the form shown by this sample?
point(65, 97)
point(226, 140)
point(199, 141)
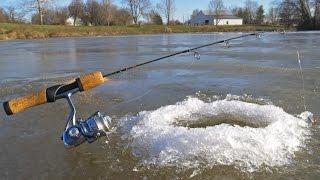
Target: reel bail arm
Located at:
point(78, 131)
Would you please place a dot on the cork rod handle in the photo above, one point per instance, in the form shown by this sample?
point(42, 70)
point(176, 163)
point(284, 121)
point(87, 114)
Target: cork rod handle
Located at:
point(19, 104)
point(84, 83)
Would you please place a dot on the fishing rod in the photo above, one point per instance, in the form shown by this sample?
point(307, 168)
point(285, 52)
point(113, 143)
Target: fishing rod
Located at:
point(78, 131)
point(180, 52)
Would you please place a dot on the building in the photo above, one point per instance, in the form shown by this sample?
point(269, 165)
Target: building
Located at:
point(206, 19)
point(70, 21)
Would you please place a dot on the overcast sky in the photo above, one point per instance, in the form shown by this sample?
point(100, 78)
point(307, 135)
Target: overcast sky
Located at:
point(184, 8)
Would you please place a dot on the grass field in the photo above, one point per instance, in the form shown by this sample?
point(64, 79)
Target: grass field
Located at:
point(25, 31)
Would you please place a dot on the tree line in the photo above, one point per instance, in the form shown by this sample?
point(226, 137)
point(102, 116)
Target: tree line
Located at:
point(300, 13)
point(251, 12)
point(89, 12)
point(304, 14)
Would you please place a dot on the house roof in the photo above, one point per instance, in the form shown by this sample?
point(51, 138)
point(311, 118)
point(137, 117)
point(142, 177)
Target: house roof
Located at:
point(225, 15)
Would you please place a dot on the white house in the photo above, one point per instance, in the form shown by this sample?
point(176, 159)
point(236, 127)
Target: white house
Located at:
point(70, 21)
point(206, 19)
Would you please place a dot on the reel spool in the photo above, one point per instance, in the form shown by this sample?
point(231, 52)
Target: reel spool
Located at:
point(79, 131)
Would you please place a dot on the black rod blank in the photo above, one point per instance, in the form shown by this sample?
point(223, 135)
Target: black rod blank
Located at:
point(175, 54)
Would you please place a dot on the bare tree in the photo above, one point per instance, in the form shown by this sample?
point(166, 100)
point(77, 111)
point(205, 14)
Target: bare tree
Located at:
point(317, 14)
point(242, 13)
point(123, 17)
point(108, 11)
point(260, 17)
point(93, 13)
point(216, 8)
point(154, 17)
point(3, 16)
point(305, 12)
point(289, 12)
point(298, 12)
point(38, 5)
point(76, 9)
point(251, 7)
point(11, 12)
point(286, 10)
point(167, 8)
point(273, 15)
point(15, 11)
point(52, 16)
point(137, 8)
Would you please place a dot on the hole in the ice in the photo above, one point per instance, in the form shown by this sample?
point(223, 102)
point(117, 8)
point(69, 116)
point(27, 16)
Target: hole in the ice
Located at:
point(204, 122)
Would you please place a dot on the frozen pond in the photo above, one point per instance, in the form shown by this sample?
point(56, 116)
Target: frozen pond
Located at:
point(232, 114)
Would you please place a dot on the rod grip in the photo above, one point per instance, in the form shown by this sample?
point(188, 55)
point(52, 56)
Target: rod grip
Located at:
point(84, 83)
point(19, 104)
point(90, 81)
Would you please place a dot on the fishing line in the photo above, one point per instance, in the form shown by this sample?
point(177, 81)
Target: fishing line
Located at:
point(303, 93)
point(303, 84)
point(133, 99)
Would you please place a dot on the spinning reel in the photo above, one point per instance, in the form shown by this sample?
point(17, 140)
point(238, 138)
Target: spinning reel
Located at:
point(78, 131)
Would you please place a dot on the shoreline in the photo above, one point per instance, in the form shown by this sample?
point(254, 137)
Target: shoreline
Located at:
point(25, 31)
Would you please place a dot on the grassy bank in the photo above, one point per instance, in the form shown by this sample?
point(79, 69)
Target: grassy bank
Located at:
point(22, 31)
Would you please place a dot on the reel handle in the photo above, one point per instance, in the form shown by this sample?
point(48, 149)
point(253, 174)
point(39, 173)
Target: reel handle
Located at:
point(51, 94)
